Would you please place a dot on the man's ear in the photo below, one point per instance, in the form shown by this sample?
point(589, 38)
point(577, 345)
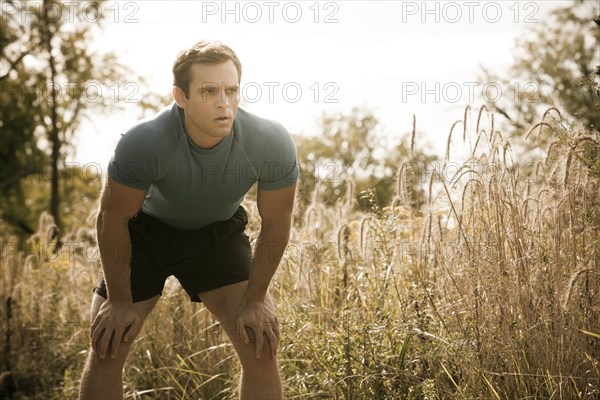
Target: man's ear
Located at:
point(179, 96)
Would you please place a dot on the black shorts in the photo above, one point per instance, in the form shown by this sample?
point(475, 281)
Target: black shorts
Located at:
point(216, 255)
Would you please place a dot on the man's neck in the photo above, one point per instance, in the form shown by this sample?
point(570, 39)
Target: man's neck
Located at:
point(199, 138)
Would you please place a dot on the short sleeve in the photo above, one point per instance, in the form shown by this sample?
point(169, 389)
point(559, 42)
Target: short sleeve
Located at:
point(280, 167)
point(133, 164)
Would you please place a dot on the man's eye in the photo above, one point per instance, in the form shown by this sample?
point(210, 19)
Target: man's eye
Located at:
point(209, 89)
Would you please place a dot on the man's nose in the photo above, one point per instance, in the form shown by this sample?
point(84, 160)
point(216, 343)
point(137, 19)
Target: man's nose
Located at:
point(223, 100)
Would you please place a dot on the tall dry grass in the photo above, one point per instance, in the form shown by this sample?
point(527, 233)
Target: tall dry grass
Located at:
point(491, 292)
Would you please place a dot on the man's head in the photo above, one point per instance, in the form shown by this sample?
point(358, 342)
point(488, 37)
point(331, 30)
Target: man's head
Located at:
point(207, 87)
point(204, 52)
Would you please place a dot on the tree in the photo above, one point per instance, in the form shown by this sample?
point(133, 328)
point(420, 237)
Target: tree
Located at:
point(20, 114)
point(50, 81)
point(557, 64)
point(349, 149)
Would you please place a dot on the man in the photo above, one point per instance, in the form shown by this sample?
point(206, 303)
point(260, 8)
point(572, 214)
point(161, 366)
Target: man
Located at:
point(171, 206)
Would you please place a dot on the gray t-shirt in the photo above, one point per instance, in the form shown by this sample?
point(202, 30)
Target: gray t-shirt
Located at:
point(189, 187)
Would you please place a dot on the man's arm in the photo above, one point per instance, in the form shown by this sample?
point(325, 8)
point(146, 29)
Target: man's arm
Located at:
point(275, 209)
point(118, 204)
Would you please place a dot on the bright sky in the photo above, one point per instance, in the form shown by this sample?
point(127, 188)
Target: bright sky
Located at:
point(303, 58)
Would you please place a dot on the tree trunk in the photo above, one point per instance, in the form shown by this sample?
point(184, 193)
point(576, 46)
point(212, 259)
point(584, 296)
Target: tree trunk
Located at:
point(54, 135)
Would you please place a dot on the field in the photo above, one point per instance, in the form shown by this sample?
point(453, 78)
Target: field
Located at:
point(492, 291)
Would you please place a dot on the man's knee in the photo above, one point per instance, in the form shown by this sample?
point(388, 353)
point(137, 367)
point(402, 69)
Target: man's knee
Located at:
point(247, 353)
point(109, 363)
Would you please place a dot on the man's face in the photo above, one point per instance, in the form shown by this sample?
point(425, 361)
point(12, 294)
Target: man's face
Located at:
point(212, 103)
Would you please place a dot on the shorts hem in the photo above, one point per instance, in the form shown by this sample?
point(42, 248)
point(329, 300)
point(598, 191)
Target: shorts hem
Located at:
point(136, 299)
point(193, 294)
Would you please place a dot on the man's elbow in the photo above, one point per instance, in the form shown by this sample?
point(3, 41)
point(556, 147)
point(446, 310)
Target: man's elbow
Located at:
point(279, 227)
point(107, 217)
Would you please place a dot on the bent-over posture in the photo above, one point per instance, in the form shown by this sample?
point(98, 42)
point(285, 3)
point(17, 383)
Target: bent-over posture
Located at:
point(171, 206)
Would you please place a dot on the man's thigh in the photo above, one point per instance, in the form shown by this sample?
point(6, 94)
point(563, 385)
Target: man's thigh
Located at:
point(143, 308)
point(224, 303)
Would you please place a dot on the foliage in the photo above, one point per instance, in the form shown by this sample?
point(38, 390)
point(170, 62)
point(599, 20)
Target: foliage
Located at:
point(351, 156)
point(556, 64)
point(491, 293)
point(50, 81)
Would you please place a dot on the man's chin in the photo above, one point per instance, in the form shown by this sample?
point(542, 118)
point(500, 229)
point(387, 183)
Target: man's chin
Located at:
point(221, 131)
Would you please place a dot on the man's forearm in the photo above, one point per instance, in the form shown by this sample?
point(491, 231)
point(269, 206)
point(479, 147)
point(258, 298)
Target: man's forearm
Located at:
point(268, 252)
point(115, 253)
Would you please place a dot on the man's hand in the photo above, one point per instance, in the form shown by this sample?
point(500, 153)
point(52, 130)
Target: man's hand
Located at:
point(116, 320)
point(260, 316)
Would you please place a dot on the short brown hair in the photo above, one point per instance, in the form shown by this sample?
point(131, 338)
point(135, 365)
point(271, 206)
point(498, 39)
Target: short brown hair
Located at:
point(203, 52)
